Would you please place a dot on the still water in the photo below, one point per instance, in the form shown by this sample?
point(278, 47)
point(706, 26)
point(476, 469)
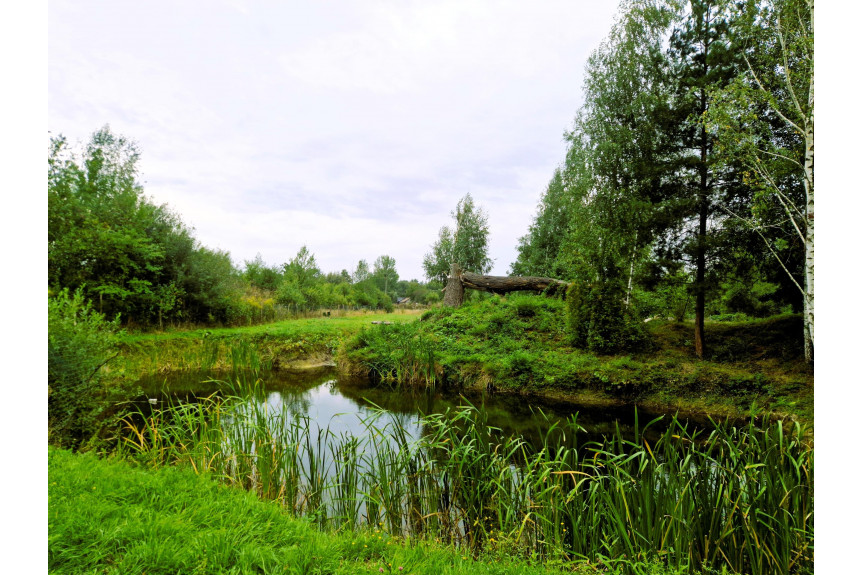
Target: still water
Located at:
point(342, 404)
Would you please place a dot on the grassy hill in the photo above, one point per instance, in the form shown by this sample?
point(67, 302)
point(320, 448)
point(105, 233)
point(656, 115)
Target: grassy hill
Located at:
point(520, 344)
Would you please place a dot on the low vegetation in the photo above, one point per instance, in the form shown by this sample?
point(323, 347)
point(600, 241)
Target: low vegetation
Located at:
point(271, 346)
point(521, 343)
point(739, 498)
point(111, 516)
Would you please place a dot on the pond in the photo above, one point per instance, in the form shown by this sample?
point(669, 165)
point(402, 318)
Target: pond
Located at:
point(346, 454)
point(342, 404)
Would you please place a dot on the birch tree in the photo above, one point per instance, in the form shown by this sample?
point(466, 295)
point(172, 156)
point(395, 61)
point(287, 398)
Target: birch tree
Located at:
point(766, 120)
point(465, 246)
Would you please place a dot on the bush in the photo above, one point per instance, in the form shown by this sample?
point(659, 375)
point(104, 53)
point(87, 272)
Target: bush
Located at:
point(80, 342)
point(598, 320)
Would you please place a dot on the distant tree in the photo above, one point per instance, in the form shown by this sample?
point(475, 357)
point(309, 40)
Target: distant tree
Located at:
point(385, 274)
point(416, 291)
point(539, 249)
point(341, 277)
point(303, 268)
point(362, 272)
point(260, 275)
point(466, 245)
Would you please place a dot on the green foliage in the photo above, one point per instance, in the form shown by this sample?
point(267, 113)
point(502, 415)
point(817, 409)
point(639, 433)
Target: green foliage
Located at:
point(397, 353)
point(129, 255)
point(510, 344)
point(362, 273)
point(80, 342)
point(538, 251)
point(466, 245)
point(385, 275)
point(665, 295)
point(241, 348)
point(677, 129)
point(598, 319)
point(112, 516)
point(260, 275)
point(737, 498)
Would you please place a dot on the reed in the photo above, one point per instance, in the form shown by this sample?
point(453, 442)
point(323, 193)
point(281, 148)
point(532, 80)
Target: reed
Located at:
point(738, 499)
point(398, 354)
point(230, 355)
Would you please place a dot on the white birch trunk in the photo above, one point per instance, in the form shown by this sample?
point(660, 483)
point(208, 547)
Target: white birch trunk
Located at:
point(809, 244)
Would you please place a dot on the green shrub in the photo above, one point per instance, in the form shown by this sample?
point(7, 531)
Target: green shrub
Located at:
point(519, 367)
point(80, 342)
point(598, 319)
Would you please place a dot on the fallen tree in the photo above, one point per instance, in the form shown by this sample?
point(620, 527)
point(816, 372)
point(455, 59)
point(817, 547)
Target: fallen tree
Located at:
point(459, 280)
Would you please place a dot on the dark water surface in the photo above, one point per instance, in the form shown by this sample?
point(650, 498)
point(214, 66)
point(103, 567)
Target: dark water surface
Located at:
point(342, 404)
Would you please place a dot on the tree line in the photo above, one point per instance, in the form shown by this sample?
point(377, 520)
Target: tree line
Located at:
point(137, 260)
point(688, 182)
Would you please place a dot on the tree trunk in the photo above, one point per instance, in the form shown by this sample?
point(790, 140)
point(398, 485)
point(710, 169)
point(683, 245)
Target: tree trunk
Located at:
point(458, 281)
point(701, 241)
point(453, 296)
point(809, 244)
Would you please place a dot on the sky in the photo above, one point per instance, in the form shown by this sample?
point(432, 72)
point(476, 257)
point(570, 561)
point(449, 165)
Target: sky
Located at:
point(351, 127)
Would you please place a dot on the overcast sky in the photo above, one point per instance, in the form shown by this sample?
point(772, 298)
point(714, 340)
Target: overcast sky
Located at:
point(351, 127)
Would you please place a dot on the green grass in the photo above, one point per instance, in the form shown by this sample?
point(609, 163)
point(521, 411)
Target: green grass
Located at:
point(739, 498)
point(276, 345)
point(519, 344)
point(112, 517)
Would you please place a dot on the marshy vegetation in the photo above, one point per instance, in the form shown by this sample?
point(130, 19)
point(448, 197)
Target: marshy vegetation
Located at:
point(271, 346)
point(736, 498)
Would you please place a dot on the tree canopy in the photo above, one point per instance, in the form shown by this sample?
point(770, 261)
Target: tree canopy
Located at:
point(466, 244)
point(688, 181)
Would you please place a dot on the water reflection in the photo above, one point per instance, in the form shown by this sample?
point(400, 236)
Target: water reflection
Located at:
point(342, 405)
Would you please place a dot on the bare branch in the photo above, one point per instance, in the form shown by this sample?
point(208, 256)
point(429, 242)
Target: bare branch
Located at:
point(775, 108)
point(786, 70)
point(769, 247)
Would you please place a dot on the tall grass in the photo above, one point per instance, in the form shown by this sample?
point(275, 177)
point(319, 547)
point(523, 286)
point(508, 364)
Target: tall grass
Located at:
point(229, 355)
point(397, 354)
point(738, 499)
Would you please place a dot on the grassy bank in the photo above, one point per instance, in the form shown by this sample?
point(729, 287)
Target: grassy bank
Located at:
point(739, 499)
point(109, 516)
point(519, 344)
point(280, 345)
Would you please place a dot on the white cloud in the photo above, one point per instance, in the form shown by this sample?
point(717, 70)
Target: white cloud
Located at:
point(352, 128)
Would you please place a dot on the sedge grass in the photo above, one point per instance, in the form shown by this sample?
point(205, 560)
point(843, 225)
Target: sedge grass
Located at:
point(738, 499)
